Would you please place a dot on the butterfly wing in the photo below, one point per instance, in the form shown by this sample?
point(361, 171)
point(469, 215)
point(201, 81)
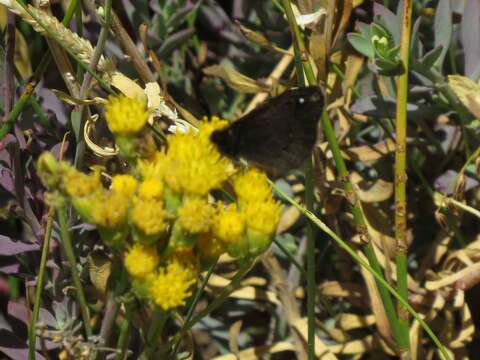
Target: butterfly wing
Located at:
point(279, 134)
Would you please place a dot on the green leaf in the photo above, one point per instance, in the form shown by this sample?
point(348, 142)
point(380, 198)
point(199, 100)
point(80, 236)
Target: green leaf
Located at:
point(443, 29)
point(431, 57)
point(361, 44)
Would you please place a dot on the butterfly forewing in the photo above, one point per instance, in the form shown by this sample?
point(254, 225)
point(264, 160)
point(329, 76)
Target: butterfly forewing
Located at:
point(279, 134)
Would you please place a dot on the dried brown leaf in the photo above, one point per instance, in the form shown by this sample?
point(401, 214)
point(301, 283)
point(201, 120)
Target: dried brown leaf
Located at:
point(372, 191)
point(347, 321)
point(376, 302)
point(322, 351)
point(261, 40)
point(99, 269)
point(236, 80)
point(289, 217)
point(233, 334)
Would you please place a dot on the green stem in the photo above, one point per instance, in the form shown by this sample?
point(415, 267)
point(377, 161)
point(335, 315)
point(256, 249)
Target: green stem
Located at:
point(159, 319)
point(299, 46)
point(17, 109)
point(345, 178)
point(245, 267)
point(39, 286)
point(401, 178)
point(42, 118)
point(303, 66)
point(122, 342)
point(360, 222)
point(378, 276)
point(71, 10)
point(311, 283)
point(194, 301)
point(68, 248)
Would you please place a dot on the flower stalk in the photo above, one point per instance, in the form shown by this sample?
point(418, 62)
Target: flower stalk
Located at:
point(39, 287)
point(401, 178)
point(61, 210)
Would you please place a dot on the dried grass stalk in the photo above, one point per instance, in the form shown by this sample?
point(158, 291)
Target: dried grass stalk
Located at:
point(46, 24)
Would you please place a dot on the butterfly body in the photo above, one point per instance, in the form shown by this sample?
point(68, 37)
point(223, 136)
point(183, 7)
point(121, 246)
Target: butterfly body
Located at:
point(278, 135)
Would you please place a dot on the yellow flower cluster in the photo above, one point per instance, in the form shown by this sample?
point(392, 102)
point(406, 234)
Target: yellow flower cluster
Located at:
point(141, 261)
point(171, 286)
point(125, 116)
point(261, 211)
point(247, 227)
point(196, 215)
point(163, 218)
point(167, 286)
point(192, 164)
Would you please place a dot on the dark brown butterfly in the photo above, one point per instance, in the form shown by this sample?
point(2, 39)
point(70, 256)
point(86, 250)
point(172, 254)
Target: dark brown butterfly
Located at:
point(278, 135)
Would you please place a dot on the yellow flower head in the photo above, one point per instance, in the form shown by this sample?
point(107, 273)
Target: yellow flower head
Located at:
point(171, 287)
point(196, 215)
point(229, 225)
point(207, 127)
point(110, 210)
point(151, 189)
point(252, 185)
point(209, 247)
point(141, 260)
point(185, 256)
point(124, 184)
point(125, 116)
point(194, 164)
point(149, 216)
point(78, 184)
point(263, 216)
point(154, 168)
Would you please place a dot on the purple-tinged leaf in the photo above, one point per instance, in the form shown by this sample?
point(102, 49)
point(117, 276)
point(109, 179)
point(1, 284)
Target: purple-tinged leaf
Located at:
point(9, 247)
point(8, 139)
point(385, 107)
point(6, 180)
point(53, 105)
point(214, 17)
point(10, 269)
point(19, 311)
point(442, 29)
point(445, 183)
point(180, 16)
point(4, 325)
point(55, 150)
point(470, 31)
point(14, 347)
point(446, 133)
